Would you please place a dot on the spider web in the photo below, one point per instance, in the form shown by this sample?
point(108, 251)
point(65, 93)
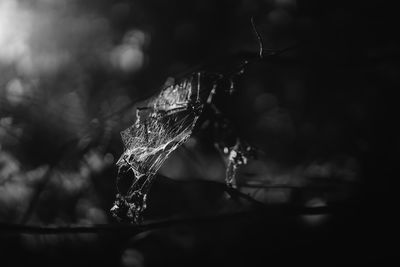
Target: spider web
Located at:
point(159, 129)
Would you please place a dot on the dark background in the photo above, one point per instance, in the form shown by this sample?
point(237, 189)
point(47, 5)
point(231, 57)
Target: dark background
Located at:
point(73, 72)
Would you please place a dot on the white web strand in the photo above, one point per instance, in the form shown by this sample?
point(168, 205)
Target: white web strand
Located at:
point(157, 132)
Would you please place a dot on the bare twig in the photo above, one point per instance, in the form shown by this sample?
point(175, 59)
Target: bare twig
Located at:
point(135, 229)
point(260, 41)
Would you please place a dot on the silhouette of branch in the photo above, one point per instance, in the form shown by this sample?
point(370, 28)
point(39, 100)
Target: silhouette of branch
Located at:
point(133, 229)
point(260, 41)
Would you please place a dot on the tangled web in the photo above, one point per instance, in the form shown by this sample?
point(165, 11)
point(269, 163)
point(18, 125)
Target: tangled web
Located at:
point(164, 125)
point(160, 128)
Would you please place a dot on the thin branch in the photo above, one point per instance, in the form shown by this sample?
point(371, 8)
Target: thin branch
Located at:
point(268, 186)
point(260, 41)
point(237, 193)
point(231, 191)
point(136, 229)
point(115, 228)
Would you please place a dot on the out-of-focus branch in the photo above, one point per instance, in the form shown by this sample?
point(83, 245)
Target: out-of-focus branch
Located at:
point(45, 181)
point(136, 229)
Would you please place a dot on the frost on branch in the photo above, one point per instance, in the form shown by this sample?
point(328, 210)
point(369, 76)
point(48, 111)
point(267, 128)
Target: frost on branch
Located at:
point(160, 128)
